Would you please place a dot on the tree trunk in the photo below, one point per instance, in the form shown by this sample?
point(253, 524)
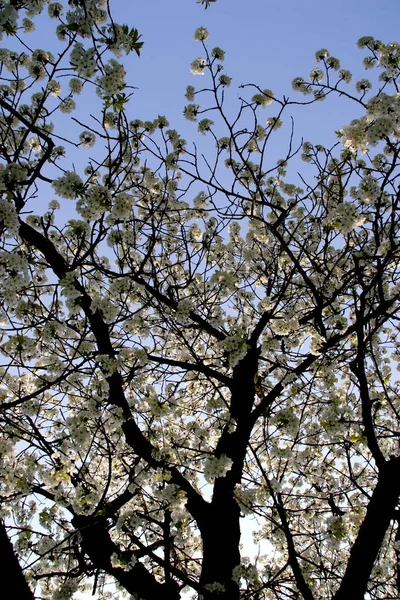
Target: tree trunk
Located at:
point(221, 550)
point(10, 569)
point(369, 540)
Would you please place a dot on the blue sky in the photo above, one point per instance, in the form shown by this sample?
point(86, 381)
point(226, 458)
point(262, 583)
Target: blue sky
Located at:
point(268, 42)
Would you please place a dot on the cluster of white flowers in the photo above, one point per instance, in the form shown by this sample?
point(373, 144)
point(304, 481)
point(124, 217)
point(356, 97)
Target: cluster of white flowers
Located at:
point(198, 66)
point(383, 105)
point(276, 485)
point(14, 274)
point(54, 87)
point(363, 86)
point(190, 111)
point(66, 590)
point(119, 39)
point(55, 10)
point(227, 279)
point(87, 139)
point(8, 217)
point(195, 233)
point(383, 116)
point(113, 80)
point(322, 54)
point(284, 325)
point(300, 85)
point(218, 53)
point(317, 75)
point(345, 217)
point(154, 404)
point(274, 122)
point(201, 34)
point(117, 562)
point(105, 306)
point(75, 85)
point(225, 80)
point(94, 202)
point(67, 105)
point(368, 190)
point(354, 135)
point(68, 289)
point(190, 92)
point(83, 61)
point(236, 347)
point(331, 418)
point(200, 201)
point(122, 205)
point(171, 161)
point(337, 527)
point(215, 588)
point(390, 59)
point(215, 467)
point(36, 69)
point(140, 356)
point(252, 146)
point(285, 418)
point(69, 186)
point(171, 495)
point(10, 59)
point(8, 18)
point(246, 498)
point(34, 7)
point(205, 125)
point(246, 571)
point(28, 25)
point(21, 344)
point(382, 120)
point(263, 99)
point(316, 342)
point(183, 310)
point(379, 129)
point(42, 56)
point(110, 120)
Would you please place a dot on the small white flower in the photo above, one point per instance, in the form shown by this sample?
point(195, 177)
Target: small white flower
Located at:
point(87, 139)
point(190, 91)
point(75, 85)
point(67, 106)
point(54, 87)
point(201, 34)
point(190, 111)
point(198, 65)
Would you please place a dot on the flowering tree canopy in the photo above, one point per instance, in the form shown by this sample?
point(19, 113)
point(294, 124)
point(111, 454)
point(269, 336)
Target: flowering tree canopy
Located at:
point(190, 338)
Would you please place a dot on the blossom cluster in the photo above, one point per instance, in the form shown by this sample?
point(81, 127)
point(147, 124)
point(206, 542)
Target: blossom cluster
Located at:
point(83, 61)
point(345, 217)
point(113, 80)
point(69, 186)
point(215, 467)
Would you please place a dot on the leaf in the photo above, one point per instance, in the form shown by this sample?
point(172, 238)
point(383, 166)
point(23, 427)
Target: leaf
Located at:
point(134, 43)
point(206, 2)
point(117, 102)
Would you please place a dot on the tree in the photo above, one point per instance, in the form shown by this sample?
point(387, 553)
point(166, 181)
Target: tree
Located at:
point(189, 338)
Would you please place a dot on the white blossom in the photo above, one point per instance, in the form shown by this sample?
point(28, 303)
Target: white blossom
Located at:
point(198, 66)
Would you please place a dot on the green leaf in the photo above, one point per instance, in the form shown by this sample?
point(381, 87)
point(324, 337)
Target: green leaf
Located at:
point(134, 43)
point(117, 102)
